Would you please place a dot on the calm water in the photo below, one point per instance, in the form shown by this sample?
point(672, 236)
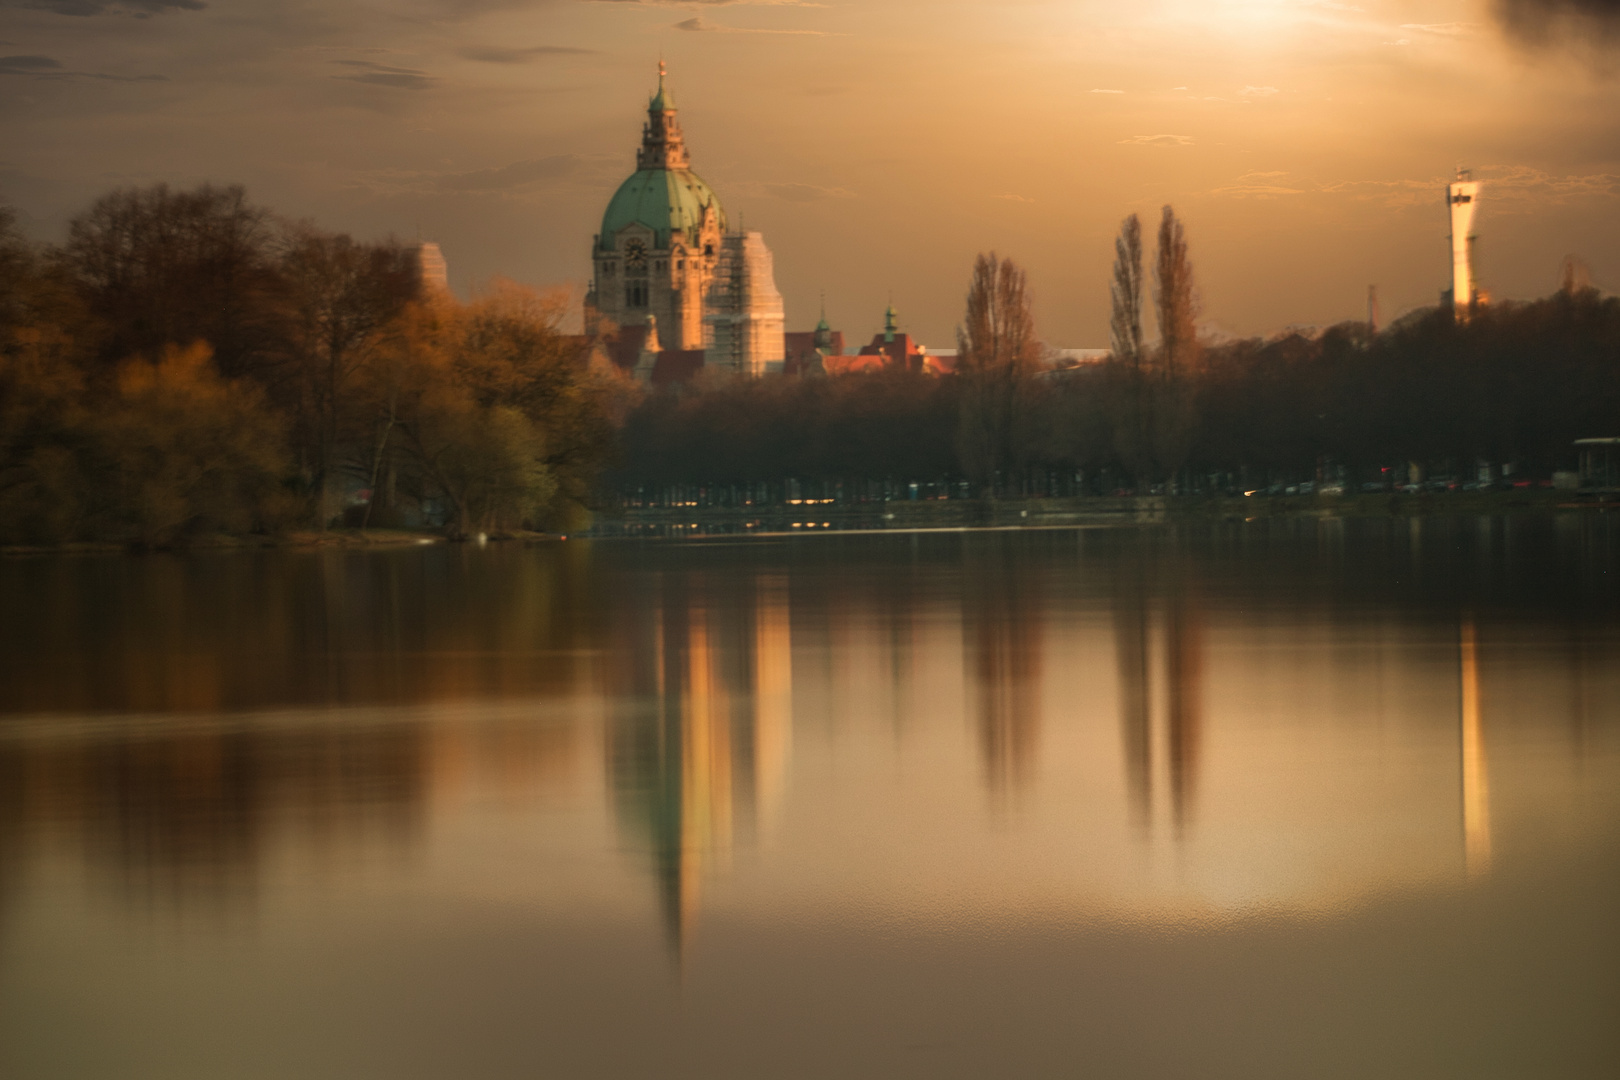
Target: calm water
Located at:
point(1287, 799)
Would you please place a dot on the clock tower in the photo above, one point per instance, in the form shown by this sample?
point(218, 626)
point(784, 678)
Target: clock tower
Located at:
point(661, 238)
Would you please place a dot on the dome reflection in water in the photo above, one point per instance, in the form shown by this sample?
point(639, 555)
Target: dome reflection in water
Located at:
point(1335, 798)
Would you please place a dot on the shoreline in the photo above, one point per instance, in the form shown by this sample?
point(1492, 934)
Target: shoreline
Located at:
point(298, 540)
point(938, 515)
point(1068, 512)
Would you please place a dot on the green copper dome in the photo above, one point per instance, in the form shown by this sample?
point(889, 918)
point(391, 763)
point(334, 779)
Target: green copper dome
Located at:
point(665, 200)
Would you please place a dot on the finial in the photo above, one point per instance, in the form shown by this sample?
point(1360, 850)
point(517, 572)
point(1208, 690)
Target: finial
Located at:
point(661, 101)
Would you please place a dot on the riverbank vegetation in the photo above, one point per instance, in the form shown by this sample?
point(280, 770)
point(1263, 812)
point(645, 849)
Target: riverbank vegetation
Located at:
point(1507, 391)
point(187, 363)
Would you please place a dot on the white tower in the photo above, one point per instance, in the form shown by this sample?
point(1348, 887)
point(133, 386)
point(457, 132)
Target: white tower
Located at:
point(1462, 195)
point(435, 271)
point(744, 322)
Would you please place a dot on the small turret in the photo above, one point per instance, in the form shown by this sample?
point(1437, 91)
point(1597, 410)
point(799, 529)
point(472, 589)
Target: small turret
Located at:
point(662, 144)
point(891, 323)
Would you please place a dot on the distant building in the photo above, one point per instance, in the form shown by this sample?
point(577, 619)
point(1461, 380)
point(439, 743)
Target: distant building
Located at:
point(432, 266)
point(1462, 197)
point(666, 261)
point(899, 351)
point(743, 318)
point(806, 353)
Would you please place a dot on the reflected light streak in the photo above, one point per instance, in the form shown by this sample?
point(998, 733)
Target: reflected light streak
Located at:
point(1476, 806)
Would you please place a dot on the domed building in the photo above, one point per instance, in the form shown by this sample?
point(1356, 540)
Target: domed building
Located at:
point(665, 260)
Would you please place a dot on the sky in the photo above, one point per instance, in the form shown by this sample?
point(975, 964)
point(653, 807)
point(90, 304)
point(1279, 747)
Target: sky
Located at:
point(878, 144)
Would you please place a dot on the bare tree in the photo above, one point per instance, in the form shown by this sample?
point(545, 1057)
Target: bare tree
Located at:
point(1174, 298)
point(341, 295)
point(1125, 325)
point(161, 267)
point(996, 353)
point(1172, 415)
point(1130, 420)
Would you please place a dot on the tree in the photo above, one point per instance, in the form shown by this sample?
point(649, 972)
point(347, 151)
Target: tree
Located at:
point(1172, 415)
point(510, 353)
point(1128, 380)
point(485, 409)
point(158, 267)
point(181, 448)
point(1127, 293)
point(341, 297)
point(1174, 299)
point(996, 354)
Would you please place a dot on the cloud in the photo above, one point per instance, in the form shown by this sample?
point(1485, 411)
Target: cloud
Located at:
point(496, 54)
point(1258, 185)
point(1158, 140)
point(396, 78)
point(1592, 24)
point(1258, 91)
point(27, 65)
point(1108, 91)
point(138, 8)
point(1516, 188)
point(44, 67)
point(1013, 197)
point(700, 25)
point(509, 177)
point(1446, 29)
point(1507, 189)
point(1256, 191)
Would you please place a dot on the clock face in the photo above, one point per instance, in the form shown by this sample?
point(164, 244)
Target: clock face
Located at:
point(635, 253)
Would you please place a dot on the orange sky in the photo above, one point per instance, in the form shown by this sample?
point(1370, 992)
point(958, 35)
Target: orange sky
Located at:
point(877, 143)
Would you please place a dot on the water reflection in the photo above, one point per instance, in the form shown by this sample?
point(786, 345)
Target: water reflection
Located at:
point(1476, 791)
point(179, 816)
point(1221, 718)
point(698, 747)
point(1002, 620)
point(1160, 621)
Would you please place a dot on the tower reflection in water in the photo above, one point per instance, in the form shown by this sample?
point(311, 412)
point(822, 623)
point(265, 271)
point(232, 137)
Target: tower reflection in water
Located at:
point(699, 742)
point(1476, 794)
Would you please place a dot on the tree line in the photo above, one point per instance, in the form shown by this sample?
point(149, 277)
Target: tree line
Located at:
point(1515, 384)
point(188, 362)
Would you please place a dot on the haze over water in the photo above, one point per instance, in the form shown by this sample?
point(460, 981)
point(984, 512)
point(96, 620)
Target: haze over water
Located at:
point(1288, 798)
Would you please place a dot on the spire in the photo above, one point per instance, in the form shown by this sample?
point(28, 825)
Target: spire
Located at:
point(663, 101)
point(890, 323)
point(662, 145)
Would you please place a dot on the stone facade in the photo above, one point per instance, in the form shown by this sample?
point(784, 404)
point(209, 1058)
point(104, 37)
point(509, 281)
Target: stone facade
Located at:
point(661, 239)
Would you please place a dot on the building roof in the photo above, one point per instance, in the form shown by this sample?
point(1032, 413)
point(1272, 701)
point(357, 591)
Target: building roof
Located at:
point(664, 200)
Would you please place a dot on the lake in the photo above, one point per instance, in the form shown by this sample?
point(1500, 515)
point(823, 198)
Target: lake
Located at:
point(1284, 798)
